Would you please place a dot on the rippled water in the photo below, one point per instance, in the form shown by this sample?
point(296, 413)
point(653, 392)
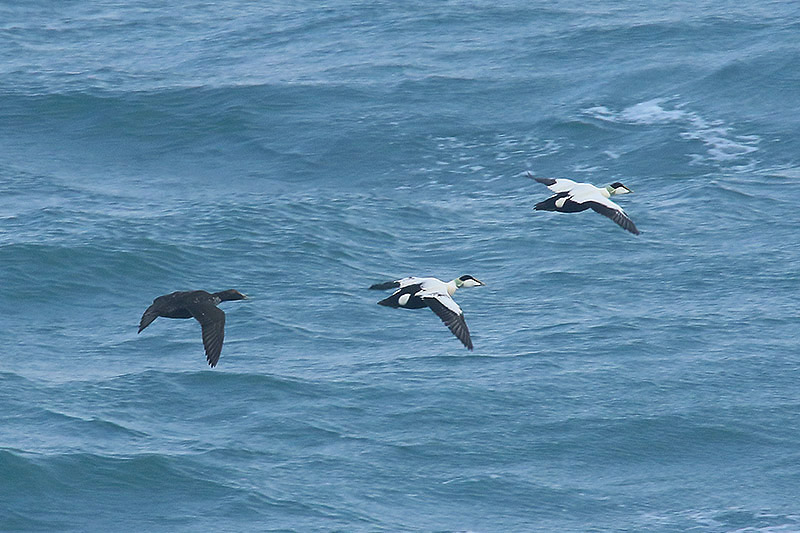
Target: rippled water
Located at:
point(300, 153)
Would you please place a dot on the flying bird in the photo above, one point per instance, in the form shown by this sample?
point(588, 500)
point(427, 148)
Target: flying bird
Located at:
point(416, 293)
point(572, 197)
point(200, 305)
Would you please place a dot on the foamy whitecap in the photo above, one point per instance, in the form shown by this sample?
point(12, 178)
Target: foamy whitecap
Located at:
point(722, 144)
point(652, 112)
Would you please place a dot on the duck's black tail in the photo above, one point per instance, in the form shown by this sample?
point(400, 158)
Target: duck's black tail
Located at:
point(546, 205)
point(391, 301)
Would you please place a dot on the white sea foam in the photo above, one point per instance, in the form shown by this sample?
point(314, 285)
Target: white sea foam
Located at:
point(721, 142)
point(652, 112)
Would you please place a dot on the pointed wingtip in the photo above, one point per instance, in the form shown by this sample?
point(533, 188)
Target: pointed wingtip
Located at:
point(467, 340)
point(630, 226)
point(213, 358)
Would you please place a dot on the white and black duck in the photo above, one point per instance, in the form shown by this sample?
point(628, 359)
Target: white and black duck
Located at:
point(416, 293)
point(573, 197)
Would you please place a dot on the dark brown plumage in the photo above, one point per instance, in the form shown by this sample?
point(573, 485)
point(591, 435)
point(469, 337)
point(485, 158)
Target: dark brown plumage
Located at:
point(200, 305)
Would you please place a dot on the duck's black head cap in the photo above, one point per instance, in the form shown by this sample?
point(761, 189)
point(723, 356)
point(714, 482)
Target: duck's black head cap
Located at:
point(468, 281)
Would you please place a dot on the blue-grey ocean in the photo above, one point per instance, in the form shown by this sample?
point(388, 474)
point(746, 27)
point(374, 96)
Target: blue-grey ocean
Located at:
point(300, 152)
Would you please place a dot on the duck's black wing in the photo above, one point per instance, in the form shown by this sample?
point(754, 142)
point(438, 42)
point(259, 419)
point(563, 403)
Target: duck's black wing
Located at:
point(384, 286)
point(171, 305)
point(212, 320)
point(448, 310)
point(617, 215)
point(150, 314)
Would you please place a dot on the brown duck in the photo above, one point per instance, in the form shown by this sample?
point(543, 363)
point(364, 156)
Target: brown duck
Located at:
point(201, 306)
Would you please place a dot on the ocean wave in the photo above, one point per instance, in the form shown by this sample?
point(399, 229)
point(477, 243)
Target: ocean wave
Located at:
point(300, 153)
point(135, 483)
point(731, 519)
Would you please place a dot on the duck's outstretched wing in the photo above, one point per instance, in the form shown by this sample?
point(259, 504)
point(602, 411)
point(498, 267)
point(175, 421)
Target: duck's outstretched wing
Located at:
point(384, 286)
point(451, 314)
point(212, 320)
point(404, 282)
point(555, 185)
point(614, 212)
point(149, 315)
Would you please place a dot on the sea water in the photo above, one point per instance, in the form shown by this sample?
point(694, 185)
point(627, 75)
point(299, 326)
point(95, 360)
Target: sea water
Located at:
point(302, 151)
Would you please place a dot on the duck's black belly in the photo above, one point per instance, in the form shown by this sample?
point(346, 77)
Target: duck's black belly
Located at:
point(568, 206)
point(572, 207)
point(412, 302)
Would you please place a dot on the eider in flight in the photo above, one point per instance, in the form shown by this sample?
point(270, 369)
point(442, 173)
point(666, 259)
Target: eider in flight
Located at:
point(416, 293)
point(195, 304)
point(572, 197)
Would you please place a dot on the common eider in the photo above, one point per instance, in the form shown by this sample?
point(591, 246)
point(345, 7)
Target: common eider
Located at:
point(200, 305)
point(572, 197)
point(416, 293)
